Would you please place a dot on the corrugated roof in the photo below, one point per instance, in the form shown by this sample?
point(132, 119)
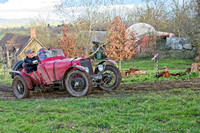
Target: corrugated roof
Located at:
point(141, 29)
point(98, 36)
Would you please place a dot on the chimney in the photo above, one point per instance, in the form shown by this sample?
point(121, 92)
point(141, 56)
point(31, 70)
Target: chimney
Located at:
point(33, 33)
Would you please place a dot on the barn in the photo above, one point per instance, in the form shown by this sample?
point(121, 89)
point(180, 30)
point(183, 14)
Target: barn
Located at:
point(147, 37)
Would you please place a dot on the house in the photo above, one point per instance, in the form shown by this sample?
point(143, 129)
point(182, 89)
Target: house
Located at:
point(13, 46)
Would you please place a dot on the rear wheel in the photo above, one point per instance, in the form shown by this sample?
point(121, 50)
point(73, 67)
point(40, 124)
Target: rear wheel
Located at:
point(20, 88)
point(111, 78)
point(78, 83)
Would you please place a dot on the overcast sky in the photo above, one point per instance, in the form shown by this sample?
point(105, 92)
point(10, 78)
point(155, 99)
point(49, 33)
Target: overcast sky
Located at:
point(18, 9)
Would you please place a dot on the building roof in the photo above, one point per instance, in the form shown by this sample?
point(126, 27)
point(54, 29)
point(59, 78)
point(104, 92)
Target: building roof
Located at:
point(98, 36)
point(141, 29)
point(161, 33)
point(11, 38)
point(16, 41)
point(26, 44)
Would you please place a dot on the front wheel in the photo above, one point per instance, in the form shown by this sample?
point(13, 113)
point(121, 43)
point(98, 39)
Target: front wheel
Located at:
point(20, 88)
point(111, 78)
point(78, 83)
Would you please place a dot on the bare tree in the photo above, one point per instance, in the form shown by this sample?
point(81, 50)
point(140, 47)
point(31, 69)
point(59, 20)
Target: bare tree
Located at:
point(177, 16)
point(85, 14)
point(44, 32)
point(155, 13)
point(67, 43)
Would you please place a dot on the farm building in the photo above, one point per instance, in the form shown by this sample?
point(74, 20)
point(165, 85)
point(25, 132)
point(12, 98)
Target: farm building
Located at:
point(147, 37)
point(13, 46)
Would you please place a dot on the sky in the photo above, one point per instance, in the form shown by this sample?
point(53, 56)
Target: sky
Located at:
point(20, 9)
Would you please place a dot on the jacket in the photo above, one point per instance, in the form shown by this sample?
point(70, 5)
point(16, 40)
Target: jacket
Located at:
point(29, 66)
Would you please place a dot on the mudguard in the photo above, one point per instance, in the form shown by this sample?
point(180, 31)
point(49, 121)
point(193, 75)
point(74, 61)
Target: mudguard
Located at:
point(108, 60)
point(81, 68)
point(25, 77)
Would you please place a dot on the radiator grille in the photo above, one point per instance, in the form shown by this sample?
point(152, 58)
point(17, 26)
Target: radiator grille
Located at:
point(87, 63)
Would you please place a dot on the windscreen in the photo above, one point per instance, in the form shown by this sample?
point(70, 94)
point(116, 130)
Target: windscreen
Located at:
point(50, 53)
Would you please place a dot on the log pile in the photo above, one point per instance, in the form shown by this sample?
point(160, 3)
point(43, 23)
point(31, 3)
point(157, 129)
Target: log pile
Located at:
point(133, 71)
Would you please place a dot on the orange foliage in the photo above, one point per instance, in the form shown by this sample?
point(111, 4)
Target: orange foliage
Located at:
point(121, 44)
point(67, 43)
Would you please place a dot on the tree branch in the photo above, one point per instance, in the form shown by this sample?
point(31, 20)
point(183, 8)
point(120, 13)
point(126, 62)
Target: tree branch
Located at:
point(96, 50)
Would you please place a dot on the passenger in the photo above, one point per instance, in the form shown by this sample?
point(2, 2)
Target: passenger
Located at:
point(30, 62)
point(42, 55)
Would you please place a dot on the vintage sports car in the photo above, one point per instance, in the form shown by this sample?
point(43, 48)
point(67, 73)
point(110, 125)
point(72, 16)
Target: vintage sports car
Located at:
point(76, 75)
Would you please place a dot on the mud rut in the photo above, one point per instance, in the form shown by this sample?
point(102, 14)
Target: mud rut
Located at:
point(194, 84)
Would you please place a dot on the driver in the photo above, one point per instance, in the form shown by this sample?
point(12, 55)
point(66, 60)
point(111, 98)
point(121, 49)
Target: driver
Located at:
point(30, 62)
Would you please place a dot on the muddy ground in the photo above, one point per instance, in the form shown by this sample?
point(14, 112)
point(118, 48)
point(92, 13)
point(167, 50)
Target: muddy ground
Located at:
point(194, 84)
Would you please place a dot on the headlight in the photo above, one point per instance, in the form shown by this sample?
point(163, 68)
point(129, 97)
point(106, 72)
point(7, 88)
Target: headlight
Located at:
point(87, 69)
point(100, 68)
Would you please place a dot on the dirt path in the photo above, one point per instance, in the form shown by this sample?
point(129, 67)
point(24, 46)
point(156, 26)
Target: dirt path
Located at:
point(6, 90)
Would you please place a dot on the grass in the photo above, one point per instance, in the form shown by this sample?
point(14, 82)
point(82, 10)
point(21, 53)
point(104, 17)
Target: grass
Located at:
point(176, 110)
point(173, 111)
point(150, 76)
point(148, 65)
point(7, 80)
point(1, 35)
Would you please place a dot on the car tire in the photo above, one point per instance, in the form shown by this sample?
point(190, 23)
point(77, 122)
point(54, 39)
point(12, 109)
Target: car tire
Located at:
point(20, 88)
point(115, 80)
point(78, 83)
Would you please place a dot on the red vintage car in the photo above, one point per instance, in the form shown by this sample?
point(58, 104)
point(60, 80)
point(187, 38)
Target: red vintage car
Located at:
point(76, 75)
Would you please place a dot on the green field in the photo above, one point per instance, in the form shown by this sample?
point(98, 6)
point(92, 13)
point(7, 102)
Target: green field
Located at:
point(172, 111)
point(1, 36)
point(148, 65)
point(175, 110)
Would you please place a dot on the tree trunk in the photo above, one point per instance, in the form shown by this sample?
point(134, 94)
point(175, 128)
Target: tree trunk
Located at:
point(197, 56)
point(120, 65)
point(198, 3)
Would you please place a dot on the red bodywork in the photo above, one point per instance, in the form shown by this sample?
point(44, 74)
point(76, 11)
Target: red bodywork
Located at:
point(52, 70)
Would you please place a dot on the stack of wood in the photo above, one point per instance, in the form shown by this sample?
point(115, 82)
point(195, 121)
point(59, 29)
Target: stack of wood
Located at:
point(195, 67)
point(133, 71)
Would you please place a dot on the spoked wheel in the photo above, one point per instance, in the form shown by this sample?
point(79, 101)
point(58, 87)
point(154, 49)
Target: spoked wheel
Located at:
point(111, 78)
point(78, 83)
point(20, 88)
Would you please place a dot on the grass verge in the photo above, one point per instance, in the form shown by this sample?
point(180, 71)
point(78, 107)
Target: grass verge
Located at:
point(172, 111)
